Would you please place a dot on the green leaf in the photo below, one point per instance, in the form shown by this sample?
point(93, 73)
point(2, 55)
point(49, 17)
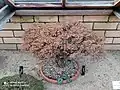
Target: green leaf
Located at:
point(59, 81)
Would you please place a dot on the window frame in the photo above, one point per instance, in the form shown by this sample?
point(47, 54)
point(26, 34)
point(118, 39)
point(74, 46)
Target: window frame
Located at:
point(116, 3)
point(88, 9)
point(64, 8)
point(90, 4)
point(6, 12)
point(27, 5)
point(65, 4)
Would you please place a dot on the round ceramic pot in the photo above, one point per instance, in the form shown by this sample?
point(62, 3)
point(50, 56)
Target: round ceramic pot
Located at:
point(64, 81)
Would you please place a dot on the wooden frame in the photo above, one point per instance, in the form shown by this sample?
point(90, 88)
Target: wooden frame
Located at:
point(117, 3)
point(59, 8)
point(65, 5)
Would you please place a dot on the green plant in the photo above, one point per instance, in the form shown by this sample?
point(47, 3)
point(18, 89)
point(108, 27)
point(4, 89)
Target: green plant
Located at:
point(34, 84)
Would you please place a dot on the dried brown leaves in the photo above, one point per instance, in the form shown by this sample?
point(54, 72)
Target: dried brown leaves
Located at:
point(48, 40)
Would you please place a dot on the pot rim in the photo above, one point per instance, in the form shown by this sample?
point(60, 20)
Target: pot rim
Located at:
point(64, 81)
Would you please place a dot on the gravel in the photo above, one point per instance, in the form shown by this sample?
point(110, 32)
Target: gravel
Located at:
point(50, 70)
point(14, 59)
point(99, 73)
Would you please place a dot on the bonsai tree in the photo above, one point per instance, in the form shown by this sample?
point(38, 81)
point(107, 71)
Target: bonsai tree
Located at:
point(60, 40)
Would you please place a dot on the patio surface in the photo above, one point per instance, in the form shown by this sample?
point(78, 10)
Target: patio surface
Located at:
point(99, 73)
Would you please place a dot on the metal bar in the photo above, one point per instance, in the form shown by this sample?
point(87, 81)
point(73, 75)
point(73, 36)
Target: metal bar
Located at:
point(3, 11)
point(10, 3)
point(117, 13)
point(64, 12)
point(5, 14)
point(37, 2)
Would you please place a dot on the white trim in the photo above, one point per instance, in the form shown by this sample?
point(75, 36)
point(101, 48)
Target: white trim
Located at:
point(116, 2)
point(35, 2)
point(3, 8)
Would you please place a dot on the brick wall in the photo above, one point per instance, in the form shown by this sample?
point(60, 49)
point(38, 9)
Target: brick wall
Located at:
point(108, 26)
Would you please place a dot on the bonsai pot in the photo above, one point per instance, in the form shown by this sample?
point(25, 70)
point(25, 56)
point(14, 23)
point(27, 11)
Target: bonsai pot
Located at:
point(54, 81)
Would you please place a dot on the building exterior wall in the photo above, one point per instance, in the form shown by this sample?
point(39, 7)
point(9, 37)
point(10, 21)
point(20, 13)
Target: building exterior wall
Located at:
point(107, 26)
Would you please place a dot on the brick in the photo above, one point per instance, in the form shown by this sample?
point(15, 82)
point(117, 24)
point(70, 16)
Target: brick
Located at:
point(28, 25)
point(18, 33)
point(46, 18)
point(7, 46)
point(118, 26)
point(12, 40)
point(108, 40)
point(70, 18)
point(114, 19)
point(89, 25)
point(112, 47)
point(6, 34)
point(112, 34)
point(1, 40)
point(12, 26)
point(22, 19)
point(15, 19)
point(19, 46)
point(105, 25)
point(116, 40)
point(95, 18)
point(99, 33)
point(27, 19)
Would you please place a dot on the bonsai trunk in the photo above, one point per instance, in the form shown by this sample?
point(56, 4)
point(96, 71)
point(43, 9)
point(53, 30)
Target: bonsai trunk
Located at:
point(60, 63)
point(60, 59)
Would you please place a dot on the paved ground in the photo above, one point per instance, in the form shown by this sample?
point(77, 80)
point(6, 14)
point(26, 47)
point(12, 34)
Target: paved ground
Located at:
point(99, 74)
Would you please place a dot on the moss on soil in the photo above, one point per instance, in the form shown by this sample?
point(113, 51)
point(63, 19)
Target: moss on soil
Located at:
point(33, 83)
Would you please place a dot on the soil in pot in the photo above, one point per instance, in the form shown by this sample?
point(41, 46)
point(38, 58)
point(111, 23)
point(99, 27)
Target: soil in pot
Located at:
point(60, 75)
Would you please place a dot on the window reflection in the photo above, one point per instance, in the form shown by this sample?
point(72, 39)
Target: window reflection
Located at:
point(88, 0)
point(37, 0)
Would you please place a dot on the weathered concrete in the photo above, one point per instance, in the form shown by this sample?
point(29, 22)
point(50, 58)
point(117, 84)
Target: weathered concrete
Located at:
point(99, 74)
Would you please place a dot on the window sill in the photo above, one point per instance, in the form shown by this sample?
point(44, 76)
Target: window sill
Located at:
point(64, 12)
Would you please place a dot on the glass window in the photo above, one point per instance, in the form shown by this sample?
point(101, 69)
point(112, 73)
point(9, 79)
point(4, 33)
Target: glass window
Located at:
point(87, 0)
point(90, 3)
point(37, 0)
point(63, 3)
point(37, 3)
